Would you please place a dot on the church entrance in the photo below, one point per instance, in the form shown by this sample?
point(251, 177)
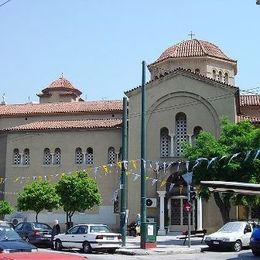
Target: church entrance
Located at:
point(178, 217)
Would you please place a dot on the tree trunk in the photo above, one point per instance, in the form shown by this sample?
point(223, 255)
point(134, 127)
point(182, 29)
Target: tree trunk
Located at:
point(36, 216)
point(224, 207)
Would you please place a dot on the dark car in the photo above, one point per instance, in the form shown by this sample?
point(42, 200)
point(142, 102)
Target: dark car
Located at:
point(35, 233)
point(255, 241)
point(10, 241)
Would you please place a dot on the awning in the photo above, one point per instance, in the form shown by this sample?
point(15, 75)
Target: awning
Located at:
point(235, 187)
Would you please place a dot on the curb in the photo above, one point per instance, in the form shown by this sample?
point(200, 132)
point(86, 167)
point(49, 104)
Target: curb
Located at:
point(158, 251)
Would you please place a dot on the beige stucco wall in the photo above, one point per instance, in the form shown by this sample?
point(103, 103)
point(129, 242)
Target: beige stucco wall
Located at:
point(204, 104)
point(99, 140)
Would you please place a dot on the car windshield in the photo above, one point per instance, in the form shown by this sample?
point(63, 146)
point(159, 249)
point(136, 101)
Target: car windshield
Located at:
point(7, 233)
point(231, 227)
point(42, 226)
point(100, 229)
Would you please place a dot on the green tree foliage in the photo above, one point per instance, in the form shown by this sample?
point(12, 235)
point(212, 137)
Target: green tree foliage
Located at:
point(78, 192)
point(37, 196)
point(235, 139)
point(5, 208)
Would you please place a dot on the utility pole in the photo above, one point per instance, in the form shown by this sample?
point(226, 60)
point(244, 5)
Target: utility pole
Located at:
point(143, 162)
point(189, 216)
point(123, 185)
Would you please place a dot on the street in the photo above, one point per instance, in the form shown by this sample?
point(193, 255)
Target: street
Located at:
point(244, 254)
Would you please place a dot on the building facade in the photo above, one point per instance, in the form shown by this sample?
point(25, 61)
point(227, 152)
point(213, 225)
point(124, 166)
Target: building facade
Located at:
point(192, 87)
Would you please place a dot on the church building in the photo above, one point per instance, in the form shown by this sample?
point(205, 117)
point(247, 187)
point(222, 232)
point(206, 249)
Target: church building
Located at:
point(192, 87)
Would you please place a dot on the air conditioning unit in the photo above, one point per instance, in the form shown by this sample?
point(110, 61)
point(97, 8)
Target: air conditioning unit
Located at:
point(16, 221)
point(151, 202)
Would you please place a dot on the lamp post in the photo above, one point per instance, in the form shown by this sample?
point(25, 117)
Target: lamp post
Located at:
point(258, 2)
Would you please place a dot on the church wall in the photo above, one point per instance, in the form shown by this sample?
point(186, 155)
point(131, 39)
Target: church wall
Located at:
point(99, 140)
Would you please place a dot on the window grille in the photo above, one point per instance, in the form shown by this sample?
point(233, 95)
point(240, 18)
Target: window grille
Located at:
point(57, 156)
point(220, 76)
point(89, 156)
point(78, 156)
point(165, 142)
point(16, 157)
point(226, 78)
point(111, 155)
point(181, 132)
point(47, 157)
point(26, 157)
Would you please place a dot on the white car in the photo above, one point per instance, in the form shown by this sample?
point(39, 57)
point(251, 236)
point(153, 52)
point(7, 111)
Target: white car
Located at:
point(89, 237)
point(234, 235)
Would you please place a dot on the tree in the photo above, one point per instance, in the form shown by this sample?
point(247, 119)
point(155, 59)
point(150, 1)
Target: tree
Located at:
point(78, 192)
point(5, 208)
point(37, 196)
point(228, 159)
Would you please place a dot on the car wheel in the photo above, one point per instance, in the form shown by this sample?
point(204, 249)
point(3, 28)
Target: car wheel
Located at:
point(256, 253)
point(237, 246)
point(58, 245)
point(111, 251)
point(87, 247)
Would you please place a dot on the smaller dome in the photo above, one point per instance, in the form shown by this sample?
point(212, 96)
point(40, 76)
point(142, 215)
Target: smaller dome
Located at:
point(61, 84)
point(193, 48)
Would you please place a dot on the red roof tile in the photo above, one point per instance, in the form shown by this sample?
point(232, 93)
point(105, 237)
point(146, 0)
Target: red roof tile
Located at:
point(254, 120)
point(66, 125)
point(250, 100)
point(61, 108)
point(193, 48)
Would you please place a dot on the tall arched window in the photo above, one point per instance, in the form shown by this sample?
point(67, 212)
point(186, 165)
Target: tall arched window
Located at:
point(26, 157)
point(89, 156)
point(78, 156)
point(57, 156)
point(16, 157)
point(111, 155)
point(196, 131)
point(180, 132)
point(226, 78)
point(165, 142)
point(47, 157)
point(197, 71)
point(220, 78)
point(214, 75)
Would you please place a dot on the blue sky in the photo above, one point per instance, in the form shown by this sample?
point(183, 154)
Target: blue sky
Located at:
point(99, 44)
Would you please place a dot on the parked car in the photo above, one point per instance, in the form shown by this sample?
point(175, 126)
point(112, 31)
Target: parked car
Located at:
point(35, 233)
point(10, 241)
point(89, 237)
point(40, 256)
point(255, 241)
point(234, 235)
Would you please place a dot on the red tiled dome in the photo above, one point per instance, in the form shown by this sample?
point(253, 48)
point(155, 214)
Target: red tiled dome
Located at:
point(61, 84)
point(193, 48)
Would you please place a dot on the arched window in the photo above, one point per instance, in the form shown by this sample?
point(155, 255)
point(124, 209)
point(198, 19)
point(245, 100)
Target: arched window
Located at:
point(226, 78)
point(165, 142)
point(47, 157)
point(189, 70)
point(16, 157)
point(89, 156)
point(57, 156)
point(111, 155)
point(78, 156)
point(26, 157)
point(214, 75)
point(196, 131)
point(120, 155)
point(220, 76)
point(197, 71)
point(180, 132)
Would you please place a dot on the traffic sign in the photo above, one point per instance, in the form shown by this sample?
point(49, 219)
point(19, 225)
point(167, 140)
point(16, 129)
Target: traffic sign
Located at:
point(187, 207)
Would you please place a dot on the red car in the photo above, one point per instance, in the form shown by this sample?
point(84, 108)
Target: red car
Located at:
point(39, 256)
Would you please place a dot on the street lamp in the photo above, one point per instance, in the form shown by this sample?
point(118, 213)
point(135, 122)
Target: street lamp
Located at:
point(258, 2)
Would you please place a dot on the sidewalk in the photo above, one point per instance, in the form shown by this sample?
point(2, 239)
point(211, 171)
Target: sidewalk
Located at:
point(166, 245)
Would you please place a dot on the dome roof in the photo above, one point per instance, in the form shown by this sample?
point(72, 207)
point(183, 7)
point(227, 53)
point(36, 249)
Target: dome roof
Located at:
point(61, 84)
point(193, 48)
